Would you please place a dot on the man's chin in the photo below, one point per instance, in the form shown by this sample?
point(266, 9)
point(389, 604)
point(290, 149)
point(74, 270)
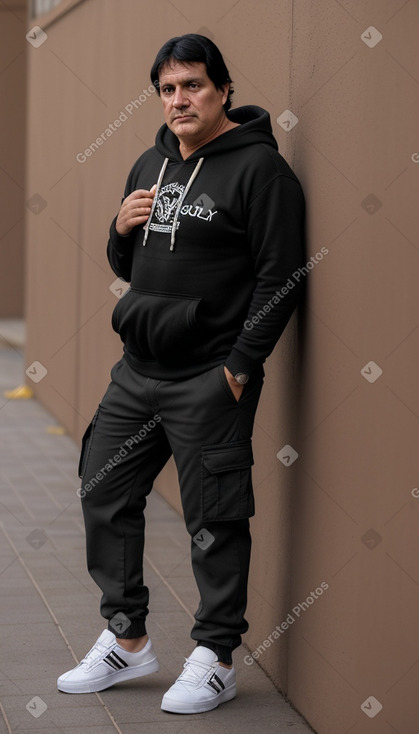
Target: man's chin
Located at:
point(187, 128)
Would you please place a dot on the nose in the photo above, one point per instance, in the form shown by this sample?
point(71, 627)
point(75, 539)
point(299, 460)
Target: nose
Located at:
point(179, 98)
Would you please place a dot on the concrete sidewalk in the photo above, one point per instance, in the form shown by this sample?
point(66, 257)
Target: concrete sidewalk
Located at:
point(49, 605)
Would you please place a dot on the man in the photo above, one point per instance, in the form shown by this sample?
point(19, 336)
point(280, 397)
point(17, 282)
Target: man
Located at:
point(209, 234)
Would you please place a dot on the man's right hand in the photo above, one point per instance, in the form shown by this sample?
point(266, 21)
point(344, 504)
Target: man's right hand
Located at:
point(135, 209)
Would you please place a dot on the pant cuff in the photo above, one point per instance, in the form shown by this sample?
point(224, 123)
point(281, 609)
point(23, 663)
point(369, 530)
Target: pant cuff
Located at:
point(135, 629)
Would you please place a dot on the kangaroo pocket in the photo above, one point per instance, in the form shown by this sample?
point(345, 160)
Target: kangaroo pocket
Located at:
point(159, 326)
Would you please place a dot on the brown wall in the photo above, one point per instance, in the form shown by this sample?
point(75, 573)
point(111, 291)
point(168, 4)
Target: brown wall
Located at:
point(12, 156)
point(355, 519)
point(343, 514)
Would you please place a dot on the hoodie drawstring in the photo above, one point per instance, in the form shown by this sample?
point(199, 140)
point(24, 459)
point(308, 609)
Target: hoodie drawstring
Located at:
point(178, 206)
point(181, 200)
point(153, 206)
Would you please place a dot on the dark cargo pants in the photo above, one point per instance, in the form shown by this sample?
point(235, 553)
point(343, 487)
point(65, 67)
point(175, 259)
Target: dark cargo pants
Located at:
point(139, 423)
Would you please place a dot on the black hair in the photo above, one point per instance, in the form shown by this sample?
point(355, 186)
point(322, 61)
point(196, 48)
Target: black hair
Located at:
point(189, 48)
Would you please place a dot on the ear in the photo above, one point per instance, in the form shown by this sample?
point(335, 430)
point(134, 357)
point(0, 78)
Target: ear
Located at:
point(225, 88)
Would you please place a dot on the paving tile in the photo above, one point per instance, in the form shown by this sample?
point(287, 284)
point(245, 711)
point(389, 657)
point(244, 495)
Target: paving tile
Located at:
point(54, 729)
point(91, 713)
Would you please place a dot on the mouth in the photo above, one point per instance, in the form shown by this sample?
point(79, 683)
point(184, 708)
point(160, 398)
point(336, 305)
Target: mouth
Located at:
point(183, 117)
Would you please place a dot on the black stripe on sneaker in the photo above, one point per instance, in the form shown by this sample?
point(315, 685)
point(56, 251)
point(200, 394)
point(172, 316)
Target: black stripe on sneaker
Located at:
point(117, 664)
point(121, 660)
point(218, 686)
point(216, 689)
point(219, 681)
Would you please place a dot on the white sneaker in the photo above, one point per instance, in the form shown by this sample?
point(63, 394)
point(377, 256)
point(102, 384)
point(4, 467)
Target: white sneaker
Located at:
point(202, 685)
point(108, 663)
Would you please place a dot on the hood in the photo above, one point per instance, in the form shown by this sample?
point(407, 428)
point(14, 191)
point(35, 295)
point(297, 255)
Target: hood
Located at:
point(254, 127)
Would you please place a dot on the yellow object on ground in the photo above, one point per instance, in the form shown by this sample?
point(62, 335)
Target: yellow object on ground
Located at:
point(23, 392)
point(56, 430)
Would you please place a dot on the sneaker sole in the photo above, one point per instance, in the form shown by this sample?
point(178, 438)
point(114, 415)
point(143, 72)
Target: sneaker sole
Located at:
point(94, 686)
point(181, 707)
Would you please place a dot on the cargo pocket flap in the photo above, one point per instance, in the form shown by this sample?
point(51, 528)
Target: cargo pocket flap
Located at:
point(238, 455)
point(227, 492)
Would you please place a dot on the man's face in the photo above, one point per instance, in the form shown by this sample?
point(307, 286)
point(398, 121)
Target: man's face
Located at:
point(193, 107)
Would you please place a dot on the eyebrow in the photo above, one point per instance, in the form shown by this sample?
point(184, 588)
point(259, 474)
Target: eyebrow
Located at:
point(194, 79)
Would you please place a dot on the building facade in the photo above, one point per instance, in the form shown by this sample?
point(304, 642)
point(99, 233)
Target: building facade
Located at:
point(334, 587)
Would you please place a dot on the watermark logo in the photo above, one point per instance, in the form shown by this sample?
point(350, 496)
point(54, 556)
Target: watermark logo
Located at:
point(371, 203)
point(292, 281)
point(287, 455)
point(36, 707)
point(205, 203)
point(119, 624)
point(37, 538)
point(112, 127)
point(292, 617)
point(36, 371)
point(36, 36)
point(287, 120)
point(371, 539)
point(129, 444)
point(36, 204)
point(371, 706)
point(371, 36)
point(371, 371)
point(119, 287)
point(203, 539)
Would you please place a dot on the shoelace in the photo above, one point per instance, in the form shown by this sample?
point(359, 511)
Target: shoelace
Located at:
point(191, 675)
point(95, 652)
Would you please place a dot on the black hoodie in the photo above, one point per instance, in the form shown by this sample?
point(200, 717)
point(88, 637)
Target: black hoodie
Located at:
point(211, 272)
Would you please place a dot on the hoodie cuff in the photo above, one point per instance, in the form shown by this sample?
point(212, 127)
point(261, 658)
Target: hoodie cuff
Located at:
point(119, 241)
point(239, 362)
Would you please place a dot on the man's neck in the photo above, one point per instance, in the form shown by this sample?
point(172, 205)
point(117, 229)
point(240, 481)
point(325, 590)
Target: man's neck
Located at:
point(187, 147)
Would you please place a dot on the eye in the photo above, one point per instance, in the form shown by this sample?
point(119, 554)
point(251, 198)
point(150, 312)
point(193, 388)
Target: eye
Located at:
point(167, 90)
